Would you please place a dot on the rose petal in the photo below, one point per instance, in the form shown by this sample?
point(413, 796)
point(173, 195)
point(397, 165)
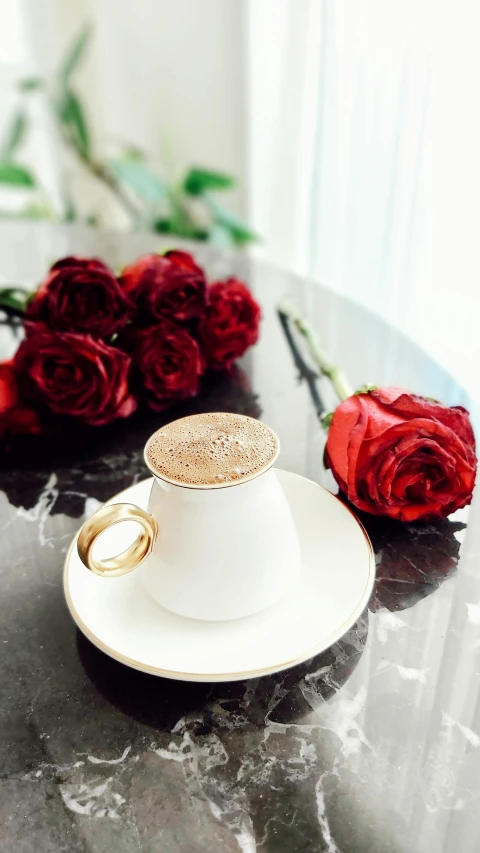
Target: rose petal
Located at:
point(400, 455)
point(75, 375)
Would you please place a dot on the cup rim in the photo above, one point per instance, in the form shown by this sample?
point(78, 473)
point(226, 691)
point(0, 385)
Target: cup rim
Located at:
point(207, 487)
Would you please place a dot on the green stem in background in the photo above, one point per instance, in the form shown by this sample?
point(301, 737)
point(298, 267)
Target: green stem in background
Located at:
point(101, 173)
point(14, 300)
point(321, 359)
point(185, 207)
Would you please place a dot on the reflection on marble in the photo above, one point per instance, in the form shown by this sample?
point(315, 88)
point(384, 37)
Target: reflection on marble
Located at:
point(92, 458)
point(372, 747)
point(412, 560)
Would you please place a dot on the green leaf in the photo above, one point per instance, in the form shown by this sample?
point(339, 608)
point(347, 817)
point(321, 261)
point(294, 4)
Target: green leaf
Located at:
point(326, 420)
point(188, 230)
point(140, 178)
point(365, 389)
point(15, 176)
point(163, 226)
point(30, 84)
point(72, 116)
point(75, 54)
point(198, 181)
point(15, 134)
point(239, 231)
point(14, 299)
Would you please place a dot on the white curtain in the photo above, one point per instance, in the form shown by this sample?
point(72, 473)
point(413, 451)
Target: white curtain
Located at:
point(364, 166)
point(353, 127)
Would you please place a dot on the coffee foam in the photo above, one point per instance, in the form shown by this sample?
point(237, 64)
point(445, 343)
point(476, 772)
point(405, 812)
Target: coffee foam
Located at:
point(211, 449)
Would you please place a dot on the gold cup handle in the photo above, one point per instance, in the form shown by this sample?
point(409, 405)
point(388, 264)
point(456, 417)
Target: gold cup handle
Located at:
point(127, 560)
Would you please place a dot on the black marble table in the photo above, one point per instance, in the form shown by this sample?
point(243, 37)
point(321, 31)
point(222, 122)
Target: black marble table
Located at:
point(372, 747)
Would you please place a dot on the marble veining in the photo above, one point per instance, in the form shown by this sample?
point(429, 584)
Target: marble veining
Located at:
point(372, 747)
point(288, 762)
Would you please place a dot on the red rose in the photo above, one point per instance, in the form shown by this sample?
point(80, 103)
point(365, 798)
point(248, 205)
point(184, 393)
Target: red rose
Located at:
point(8, 386)
point(400, 455)
point(75, 375)
point(170, 285)
point(15, 417)
point(81, 295)
point(169, 362)
point(231, 324)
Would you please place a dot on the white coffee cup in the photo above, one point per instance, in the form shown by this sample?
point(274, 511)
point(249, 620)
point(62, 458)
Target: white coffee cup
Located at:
point(212, 551)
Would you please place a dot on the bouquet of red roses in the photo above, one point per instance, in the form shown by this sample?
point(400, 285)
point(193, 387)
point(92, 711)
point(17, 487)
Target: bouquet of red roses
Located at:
point(97, 345)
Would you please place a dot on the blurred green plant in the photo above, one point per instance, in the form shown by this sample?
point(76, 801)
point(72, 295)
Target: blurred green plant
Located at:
point(187, 207)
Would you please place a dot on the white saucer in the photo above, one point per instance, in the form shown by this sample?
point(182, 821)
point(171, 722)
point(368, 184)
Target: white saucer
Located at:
point(338, 572)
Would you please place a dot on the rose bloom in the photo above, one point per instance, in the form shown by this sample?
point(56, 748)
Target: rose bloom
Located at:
point(168, 361)
point(81, 295)
point(393, 453)
point(75, 375)
point(170, 285)
point(231, 324)
point(15, 416)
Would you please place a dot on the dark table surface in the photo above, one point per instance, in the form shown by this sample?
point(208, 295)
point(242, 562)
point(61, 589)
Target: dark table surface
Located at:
point(372, 747)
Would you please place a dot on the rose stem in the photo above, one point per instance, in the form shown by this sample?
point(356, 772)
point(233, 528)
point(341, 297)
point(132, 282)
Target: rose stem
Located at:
point(305, 372)
point(322, 360)
point(99, 171)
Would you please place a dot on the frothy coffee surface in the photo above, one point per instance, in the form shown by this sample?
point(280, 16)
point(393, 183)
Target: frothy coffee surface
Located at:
point(211, 449)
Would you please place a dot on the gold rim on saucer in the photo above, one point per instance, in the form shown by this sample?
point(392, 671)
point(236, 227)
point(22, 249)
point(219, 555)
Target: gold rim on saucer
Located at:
point(181, 675)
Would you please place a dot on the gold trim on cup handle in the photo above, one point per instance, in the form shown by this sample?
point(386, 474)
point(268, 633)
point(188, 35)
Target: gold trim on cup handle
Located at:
point(127, 560)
